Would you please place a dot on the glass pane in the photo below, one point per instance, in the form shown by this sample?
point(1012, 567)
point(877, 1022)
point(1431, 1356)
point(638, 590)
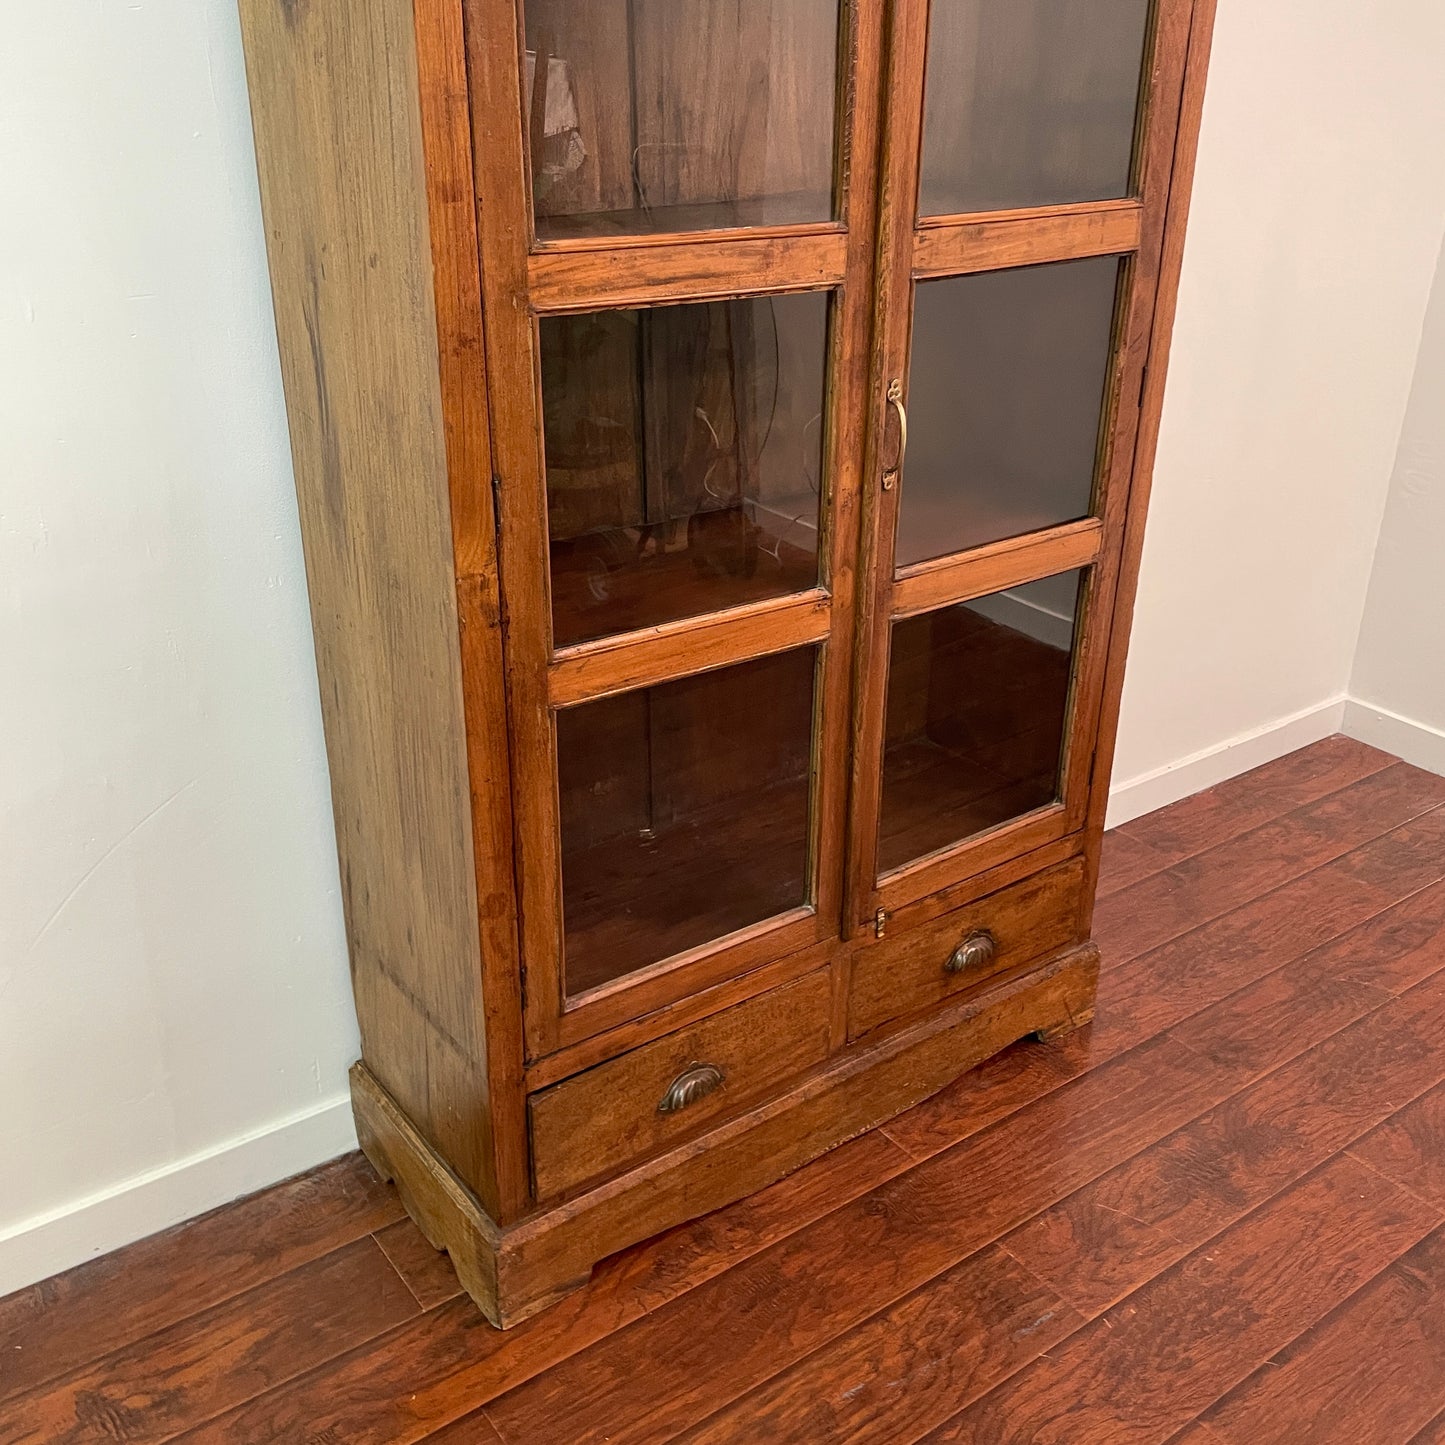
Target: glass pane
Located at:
point(1030, 102)
point(684, 452)
point(684, 813)
point(680, 115)
point(1005, 400)
point(978, 696)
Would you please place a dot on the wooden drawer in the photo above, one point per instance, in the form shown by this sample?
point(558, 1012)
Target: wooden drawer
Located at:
point(919, 969)
point(601, 1121)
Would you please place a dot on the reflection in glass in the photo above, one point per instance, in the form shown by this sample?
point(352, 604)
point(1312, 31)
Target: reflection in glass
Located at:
point(684, 453)
point(1030, 102)
point(978, 698)
point(1005, 399)
point(684, 813)
point(679, 115)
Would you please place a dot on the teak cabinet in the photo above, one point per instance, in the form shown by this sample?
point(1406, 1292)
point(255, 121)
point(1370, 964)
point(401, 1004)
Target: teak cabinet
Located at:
point(722, 431)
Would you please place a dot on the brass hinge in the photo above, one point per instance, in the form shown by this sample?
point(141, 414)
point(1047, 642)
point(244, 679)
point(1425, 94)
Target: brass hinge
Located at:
point(880, 923)
point(496, 497)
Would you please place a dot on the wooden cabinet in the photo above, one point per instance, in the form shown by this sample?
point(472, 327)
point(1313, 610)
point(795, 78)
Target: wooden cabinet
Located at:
point(722, 433)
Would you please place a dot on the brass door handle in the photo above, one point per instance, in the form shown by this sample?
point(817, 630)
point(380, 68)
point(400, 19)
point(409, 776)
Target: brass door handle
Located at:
point(895, 400)
point(689, 1086)
point(975, 951)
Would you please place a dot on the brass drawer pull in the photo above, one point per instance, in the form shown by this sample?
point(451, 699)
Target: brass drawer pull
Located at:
point(689, 1086)
point(975, 951)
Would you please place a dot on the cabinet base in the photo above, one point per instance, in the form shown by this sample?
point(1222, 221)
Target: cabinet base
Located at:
point(514, 1271)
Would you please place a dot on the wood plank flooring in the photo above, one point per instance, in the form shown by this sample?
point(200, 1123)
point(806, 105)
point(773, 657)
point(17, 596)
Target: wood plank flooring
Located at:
point(1215, 1217)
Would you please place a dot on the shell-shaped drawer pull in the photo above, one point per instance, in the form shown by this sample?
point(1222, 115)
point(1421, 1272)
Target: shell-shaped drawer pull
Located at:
point(975, 951)
point(694, 1083)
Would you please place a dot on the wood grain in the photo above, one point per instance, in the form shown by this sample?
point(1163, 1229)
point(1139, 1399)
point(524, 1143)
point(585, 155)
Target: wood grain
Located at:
point(425, 1270)
point(675, 650)
point(1259, 796)
point(408, 317)
point(339, 150)
point(434, 1371)
point(957, 245)
point(591, 1124)
point(1211, 883)
point(1125, 860)
point(1113, 1234)
point(1159, 840)
point(1331, 1384)
point(462, 376)
point(854, 1091)
point(898, 135)
point(473, 1429)
point(47, 1329)
point(513, 1273)
point(1159, 987)
point(689, 269)
point(519, 281)
point(1164, 150)
point(1109, 1238)
point(1410, 1148)
point(160, 1386)
point(974, 1325)
point(804, 1292)
point(598, 1048)
point(928, 585)
point(1166, 986)
point(895, 977)
point(1147, 1367)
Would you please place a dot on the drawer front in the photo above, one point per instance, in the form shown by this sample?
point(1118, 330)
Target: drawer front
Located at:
point(601, 1121)
point(927, 965)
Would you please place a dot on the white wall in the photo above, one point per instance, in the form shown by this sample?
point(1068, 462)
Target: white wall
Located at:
point(172, 970)
point(172, 964)
point(1399, 678)
point(1318, 216)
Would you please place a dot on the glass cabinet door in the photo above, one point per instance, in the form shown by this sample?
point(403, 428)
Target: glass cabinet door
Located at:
point(976, 712)
point(815, 335)
point(1008, 378)
point(657, 116)
point(685, 812)
point(678, 355)
point(1030, 103)
point(1029, 145)
point(683, 452)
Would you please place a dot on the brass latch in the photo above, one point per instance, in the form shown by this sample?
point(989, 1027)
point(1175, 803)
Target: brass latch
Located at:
point(895, 400)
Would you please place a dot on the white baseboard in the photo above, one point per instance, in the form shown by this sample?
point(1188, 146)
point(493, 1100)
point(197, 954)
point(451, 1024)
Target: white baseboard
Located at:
point(44, 1245)
point(1133, 797)
point(1415, 742)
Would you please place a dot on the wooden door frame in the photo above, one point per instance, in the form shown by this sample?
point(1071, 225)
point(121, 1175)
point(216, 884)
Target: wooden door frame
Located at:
point(523, 279)
point(1170, 264)
point(464, 384)
point(911, 250)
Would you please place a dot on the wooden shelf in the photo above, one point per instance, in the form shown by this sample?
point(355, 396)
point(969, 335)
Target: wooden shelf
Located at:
point(634, 901)
point(601, 586)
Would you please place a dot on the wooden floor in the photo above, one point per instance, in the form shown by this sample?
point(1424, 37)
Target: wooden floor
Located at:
point(1217, 1217)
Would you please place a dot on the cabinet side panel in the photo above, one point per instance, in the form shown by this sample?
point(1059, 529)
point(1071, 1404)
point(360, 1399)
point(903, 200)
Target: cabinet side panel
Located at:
point(334, 97)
